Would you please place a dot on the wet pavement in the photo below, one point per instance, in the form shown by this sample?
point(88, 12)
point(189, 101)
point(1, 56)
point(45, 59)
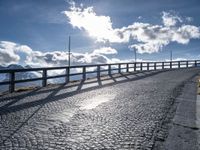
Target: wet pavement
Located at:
point(124, 111)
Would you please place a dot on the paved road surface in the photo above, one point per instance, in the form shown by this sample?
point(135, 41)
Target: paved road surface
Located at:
point(183, 127)
point(122, 112)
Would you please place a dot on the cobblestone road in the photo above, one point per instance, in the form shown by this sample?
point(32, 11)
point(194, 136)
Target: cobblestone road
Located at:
point(123, 114)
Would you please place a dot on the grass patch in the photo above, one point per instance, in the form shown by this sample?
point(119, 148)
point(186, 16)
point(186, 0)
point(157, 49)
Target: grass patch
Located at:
point(24, 89)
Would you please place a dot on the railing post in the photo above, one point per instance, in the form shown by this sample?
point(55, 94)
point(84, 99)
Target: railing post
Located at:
point(186, 64)
point(170, 65)
point(147, 66)
point(179, 64)
point(195, 63)
point(127, 67)
point(141, 66)
point(135, 66)
point(109, 69)
point(163, 65)
point(154, 65)
point(98, 72)
point(44, 77)
point(67, 75)
point(12, 82)
point(119, 68)
point(84, 73)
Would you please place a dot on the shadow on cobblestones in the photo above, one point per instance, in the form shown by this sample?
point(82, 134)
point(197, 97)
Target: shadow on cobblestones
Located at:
point(11, 102)
point(7, 108)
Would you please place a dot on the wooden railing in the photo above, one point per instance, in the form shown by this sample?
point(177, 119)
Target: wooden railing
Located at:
point(99, 68)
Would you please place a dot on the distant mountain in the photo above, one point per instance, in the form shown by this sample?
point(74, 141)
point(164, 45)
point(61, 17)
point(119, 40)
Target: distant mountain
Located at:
point(14, 66)
point(2, 76)
point(1, 67)
point(27, 67)
point(20, 76)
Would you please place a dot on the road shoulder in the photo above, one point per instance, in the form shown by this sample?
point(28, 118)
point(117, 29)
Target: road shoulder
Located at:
point(182, 131)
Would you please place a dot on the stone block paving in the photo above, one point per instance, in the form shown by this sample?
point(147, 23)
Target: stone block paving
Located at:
point(120, 115)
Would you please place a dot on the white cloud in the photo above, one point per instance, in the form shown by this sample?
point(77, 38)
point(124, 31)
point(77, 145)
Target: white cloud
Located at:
point(152, 38)
point(86, 18)
point(170, 19)
point(23, 49)
point(8, 57)
point(99, 27)
point(184, 33)
point(59, 58)
point(9, 52)
point(149, 47)
point(149, 38)
point(105, 50)
point(189, 19)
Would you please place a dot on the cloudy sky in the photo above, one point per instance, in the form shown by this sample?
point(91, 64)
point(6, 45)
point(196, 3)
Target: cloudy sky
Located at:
point(35, 32)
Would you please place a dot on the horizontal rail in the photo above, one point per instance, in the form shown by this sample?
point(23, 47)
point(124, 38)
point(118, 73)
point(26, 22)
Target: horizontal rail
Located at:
point(81, 66)
point(97, 69)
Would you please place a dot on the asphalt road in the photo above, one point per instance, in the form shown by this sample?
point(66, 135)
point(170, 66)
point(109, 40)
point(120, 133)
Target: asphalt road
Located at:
point(119, 112)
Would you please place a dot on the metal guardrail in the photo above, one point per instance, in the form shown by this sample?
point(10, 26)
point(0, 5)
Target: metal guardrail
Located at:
point(135, 66)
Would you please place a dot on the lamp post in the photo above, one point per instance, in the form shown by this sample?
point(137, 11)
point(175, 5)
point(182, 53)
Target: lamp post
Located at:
point(69, 51)
point(170, 55)
point(135, 55)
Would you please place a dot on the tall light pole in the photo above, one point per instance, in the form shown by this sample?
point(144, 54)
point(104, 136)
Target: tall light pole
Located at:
point(135, 55)
point(69, 51)
point(170, 55)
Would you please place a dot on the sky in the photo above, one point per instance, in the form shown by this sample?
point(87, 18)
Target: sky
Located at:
point(35, 32)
